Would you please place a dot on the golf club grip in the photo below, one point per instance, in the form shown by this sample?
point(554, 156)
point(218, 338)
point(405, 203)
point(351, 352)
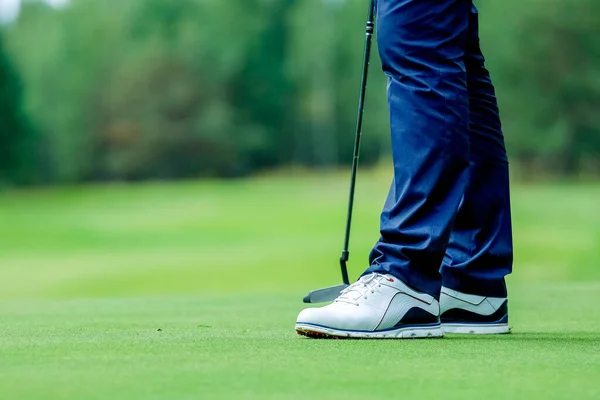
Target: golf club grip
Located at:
point(359, 121)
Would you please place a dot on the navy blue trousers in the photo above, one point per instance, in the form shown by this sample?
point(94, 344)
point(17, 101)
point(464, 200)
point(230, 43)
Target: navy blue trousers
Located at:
point(447, 217)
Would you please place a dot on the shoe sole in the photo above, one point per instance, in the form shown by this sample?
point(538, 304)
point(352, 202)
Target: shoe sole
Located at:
point(321, 332)
point(476, 329)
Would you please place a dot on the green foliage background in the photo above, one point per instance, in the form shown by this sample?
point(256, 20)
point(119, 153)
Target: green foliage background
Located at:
point(162, 89)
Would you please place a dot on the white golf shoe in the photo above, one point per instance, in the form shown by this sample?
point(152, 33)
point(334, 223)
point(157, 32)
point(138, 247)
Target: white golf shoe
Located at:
point(471, 314)
point(376, 307)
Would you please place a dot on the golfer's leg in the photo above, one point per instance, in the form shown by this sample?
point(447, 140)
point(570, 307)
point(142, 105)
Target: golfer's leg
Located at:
point(421, 43)
point(480, 251)
point(422, 47)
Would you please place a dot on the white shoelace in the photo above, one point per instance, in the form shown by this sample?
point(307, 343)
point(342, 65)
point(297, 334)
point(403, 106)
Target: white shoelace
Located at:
point(365, 285)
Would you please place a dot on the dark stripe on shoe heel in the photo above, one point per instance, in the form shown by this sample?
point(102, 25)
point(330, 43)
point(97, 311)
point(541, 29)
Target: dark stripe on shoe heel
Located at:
point(418, 316)
point(459, 315)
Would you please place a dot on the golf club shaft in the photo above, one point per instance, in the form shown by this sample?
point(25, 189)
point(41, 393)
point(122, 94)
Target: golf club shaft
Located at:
point(361, 106)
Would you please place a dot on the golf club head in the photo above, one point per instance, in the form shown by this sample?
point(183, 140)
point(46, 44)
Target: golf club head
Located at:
point(325, 295)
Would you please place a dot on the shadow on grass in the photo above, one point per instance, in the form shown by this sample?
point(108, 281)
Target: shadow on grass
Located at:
point(514, 337)
point(563, 337)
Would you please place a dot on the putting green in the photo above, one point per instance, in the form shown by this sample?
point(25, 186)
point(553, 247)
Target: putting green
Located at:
point(191, 290)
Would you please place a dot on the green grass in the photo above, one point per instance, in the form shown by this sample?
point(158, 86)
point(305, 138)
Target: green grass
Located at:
point(190, 290)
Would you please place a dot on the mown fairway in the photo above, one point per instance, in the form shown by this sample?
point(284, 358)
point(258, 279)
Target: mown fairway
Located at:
point(190, 291)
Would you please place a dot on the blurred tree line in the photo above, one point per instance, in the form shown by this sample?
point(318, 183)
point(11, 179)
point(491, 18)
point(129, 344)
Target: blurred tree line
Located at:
point(161, 89)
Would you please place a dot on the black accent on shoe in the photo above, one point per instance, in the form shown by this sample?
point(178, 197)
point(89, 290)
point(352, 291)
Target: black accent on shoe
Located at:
point(459, 315)
point(418, 316)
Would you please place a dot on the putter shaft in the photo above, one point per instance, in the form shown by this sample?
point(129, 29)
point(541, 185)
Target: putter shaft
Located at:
point(359, 123)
